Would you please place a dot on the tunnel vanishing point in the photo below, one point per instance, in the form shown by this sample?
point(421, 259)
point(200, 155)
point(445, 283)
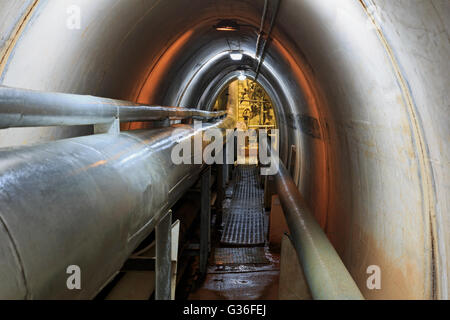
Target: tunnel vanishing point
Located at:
point(94, 95)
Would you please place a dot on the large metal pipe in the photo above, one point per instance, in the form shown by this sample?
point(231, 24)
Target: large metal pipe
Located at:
point(326, 274)
point(28, 108)
point(85, 201)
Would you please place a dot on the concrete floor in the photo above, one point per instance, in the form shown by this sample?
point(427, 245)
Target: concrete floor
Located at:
point(241, 282)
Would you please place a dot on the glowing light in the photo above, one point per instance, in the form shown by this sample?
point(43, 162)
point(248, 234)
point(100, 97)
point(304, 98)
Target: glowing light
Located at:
point(227, 25)
point(225, 29)
point(236, 55)
point(242, 77)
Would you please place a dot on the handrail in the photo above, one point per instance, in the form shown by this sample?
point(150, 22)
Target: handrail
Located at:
point(28, 108)
point(325, 273)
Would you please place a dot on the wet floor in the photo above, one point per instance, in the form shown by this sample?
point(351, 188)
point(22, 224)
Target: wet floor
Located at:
point(246, 270)
point(240, 282)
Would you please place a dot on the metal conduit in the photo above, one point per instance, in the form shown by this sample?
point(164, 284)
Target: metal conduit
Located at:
point(27, 108)
point(261, 27)
point(326, 274)
point(263, 50)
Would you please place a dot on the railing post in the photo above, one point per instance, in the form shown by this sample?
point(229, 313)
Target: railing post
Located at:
point(164, 258)
point(205, 219)
point(221, 181)
point(161, 123)
point(110, 128)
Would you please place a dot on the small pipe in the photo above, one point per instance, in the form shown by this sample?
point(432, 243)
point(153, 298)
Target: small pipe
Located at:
point(146, 113)
point(263, 51)
point(27, 108)
point(326, 274)
point(261, 28)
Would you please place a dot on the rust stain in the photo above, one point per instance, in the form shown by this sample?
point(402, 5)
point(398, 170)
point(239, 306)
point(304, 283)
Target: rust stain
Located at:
point(401, 278)
point(424, 166)
point(16, 35)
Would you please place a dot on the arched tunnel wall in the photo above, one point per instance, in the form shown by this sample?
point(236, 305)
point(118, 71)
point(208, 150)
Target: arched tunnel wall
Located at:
point(361, 90)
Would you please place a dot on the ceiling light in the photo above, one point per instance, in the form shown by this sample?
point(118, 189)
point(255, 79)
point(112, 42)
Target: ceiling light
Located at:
point(236, 55)
point(227, 25)
point(242, 77)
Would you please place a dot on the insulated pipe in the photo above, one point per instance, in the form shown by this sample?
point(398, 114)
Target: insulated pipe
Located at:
point(85, 202)
point(326, 274)
point(27, 108)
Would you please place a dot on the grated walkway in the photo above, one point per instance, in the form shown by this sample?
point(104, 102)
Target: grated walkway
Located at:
point(244, 217)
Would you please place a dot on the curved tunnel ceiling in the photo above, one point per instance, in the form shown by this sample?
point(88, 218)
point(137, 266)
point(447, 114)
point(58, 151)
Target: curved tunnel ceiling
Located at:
point(361, 89)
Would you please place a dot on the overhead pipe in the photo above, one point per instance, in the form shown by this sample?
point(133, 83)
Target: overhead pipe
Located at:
point(27, 108)
point(261, 28)
point(326, 274)
point(263, 51)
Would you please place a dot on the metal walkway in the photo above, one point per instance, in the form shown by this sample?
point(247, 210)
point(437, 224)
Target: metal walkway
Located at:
point(244, 218)
point(240, 256)
point(242, 266)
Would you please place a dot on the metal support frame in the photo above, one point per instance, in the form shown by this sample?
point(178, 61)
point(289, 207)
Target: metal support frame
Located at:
point(141, 267)
point(221, 181)
point(230, 154)
point(164, 258)
point(226, 173)
point(109, 128)
point(226, 168)
point(161, 123)
point(174, 271)
point(205, 219)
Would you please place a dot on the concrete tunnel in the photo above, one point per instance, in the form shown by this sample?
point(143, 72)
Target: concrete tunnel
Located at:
point(360, 90)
